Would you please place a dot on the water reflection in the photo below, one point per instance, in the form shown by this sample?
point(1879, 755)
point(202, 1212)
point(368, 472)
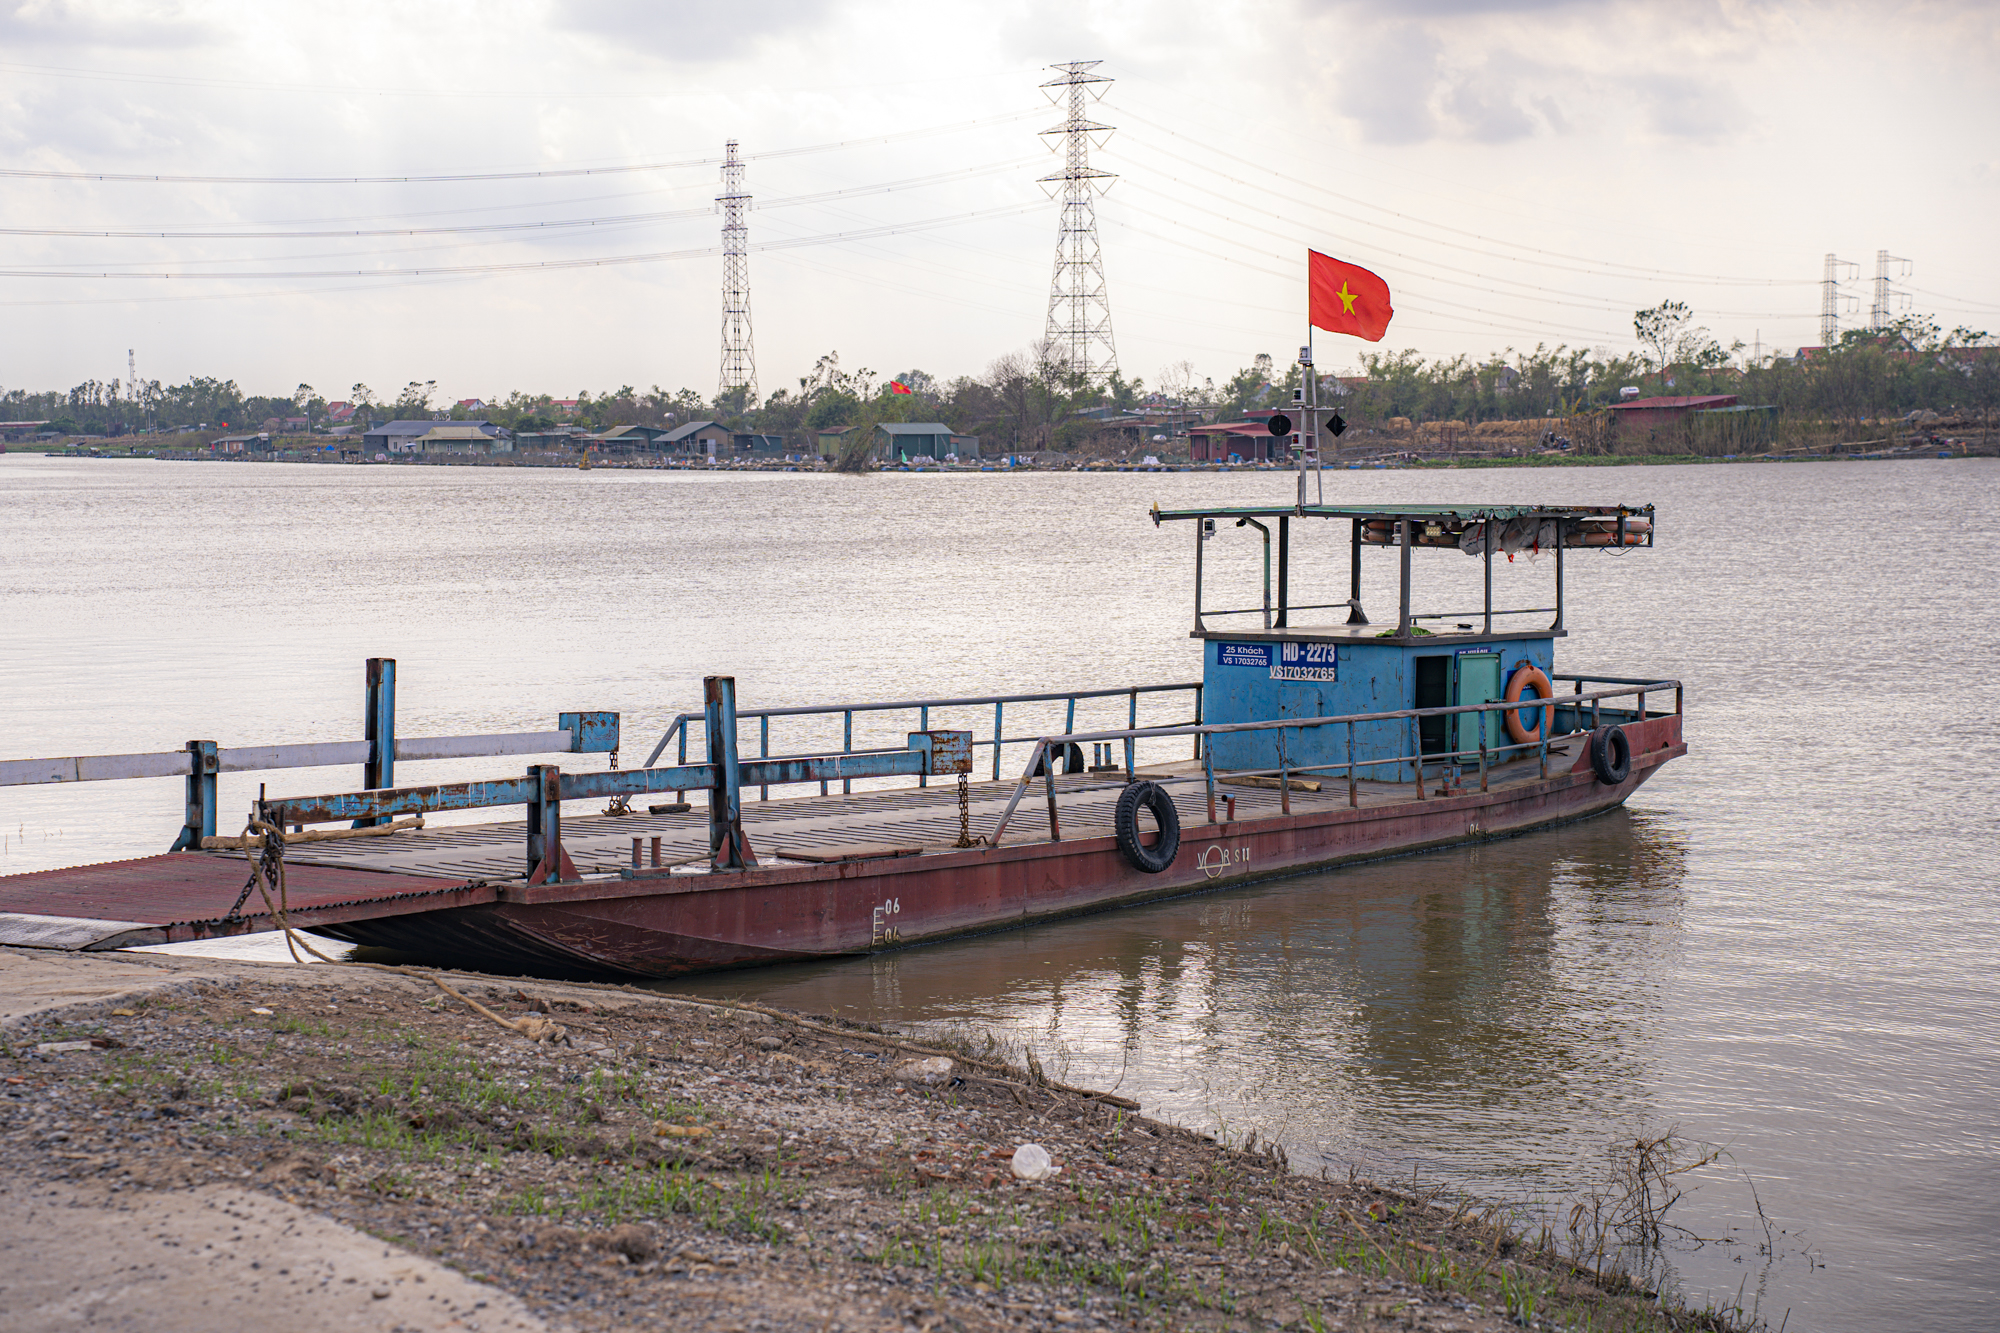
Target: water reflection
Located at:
point(1488, 1014)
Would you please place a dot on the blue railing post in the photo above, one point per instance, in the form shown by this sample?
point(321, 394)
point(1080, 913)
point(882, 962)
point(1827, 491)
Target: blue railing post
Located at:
point(764, 752)
point(680, 796)
point(999, 710)
point(544, 820)
point(847, 746)
point(1208, 772)
point(923, 724)
point(728, 848)
point(379, 729)
point(1131, 746)
point(1483, 714)
point(199, 821)
point(1353, 793)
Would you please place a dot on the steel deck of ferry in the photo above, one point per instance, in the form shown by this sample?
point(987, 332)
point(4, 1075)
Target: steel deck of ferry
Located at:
point(189, 895)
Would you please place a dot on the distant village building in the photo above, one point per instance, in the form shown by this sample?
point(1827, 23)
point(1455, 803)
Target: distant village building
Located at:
point(1647, 414)
point(1247, 441)
point(701, 437)
point(755, 443)
point(544, 441)
point(1705, 423)
point(240, 444)
point(629, 439)
point(461, 438)
point(903, 440)
point(833, 439)
point(396, 436)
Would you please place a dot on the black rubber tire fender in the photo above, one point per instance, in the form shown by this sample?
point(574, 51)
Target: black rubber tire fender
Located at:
point(1125, 824)
point(1610, 755)
point(1069, 753)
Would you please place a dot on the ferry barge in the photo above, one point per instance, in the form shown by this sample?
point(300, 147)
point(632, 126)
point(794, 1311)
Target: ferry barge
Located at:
point(1315, 737)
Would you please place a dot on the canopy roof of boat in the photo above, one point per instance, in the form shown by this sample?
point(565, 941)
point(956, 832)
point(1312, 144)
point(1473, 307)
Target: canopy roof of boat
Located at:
point(1415, 513)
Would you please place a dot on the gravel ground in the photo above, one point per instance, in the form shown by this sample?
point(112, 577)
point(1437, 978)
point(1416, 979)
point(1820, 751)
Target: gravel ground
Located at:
point(726, 1169)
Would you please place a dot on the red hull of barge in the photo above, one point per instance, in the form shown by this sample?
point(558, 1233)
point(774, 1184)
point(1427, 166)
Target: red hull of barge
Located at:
point(690, 923)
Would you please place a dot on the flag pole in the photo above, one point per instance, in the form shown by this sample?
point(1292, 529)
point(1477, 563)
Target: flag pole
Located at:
point(1308, 428)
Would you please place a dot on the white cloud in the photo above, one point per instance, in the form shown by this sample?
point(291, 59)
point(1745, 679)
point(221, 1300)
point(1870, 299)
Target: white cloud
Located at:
point(66, 25)
point(1538, 130)
point(692, 31)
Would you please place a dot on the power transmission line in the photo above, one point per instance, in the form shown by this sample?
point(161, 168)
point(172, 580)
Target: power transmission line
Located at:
point(525, 266)
point(613, 220)
point(1079, 323)
point(23, 173)
point(1497, 241)
point(1547, 295)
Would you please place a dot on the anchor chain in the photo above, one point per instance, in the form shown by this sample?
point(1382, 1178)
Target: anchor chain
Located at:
point(620, 805)
point(268, 865)
point(965, 838)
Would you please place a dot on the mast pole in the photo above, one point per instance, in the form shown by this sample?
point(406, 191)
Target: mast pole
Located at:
point(1309, 428)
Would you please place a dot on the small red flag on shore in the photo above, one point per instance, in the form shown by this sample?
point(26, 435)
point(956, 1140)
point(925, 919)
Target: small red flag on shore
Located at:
point(897, 386)
point(1346, 298)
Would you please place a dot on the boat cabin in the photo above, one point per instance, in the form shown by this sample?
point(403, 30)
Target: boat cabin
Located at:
point(1278, 659)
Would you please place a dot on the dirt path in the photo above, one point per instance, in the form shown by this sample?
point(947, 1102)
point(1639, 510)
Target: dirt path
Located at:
point(664, 1163)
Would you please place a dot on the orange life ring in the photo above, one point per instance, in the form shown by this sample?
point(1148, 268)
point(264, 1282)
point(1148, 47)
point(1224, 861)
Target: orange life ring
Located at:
point(1526, 676)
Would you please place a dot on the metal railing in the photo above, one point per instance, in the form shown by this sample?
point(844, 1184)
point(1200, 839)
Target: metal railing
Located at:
point(201, 762)
point(723, 773)
point(996, 742)
point(1417, 759)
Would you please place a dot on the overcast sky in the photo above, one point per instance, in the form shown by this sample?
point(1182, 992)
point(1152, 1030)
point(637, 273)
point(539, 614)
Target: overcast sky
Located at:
point(1520, 171)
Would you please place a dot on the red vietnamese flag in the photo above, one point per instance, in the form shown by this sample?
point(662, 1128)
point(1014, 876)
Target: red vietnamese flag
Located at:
point(1347, 298)
point(897, 386)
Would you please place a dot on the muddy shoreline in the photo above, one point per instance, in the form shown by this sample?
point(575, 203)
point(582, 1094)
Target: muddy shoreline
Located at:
point(661, 1160)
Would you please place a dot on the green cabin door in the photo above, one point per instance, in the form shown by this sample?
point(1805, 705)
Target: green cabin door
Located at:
point(1478, 683)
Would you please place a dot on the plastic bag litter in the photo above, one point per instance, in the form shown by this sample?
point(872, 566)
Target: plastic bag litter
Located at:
point(936, 1069)
point(1031, 1162)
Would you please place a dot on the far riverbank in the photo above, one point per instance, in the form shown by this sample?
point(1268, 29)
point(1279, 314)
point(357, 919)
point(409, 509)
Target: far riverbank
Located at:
point(1867, 451)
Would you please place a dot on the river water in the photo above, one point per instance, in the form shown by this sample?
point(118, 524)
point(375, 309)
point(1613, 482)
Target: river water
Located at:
point(1784, 947)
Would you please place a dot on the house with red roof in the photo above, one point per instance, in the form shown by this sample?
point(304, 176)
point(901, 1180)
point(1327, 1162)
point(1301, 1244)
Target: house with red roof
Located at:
point(1639, 414)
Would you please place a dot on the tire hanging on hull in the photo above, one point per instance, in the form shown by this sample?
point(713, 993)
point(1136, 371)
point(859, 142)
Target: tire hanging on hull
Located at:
point(1610, 755)
point(1125, 825)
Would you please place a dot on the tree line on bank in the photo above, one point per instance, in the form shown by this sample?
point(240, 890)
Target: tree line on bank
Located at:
point(1030, 401)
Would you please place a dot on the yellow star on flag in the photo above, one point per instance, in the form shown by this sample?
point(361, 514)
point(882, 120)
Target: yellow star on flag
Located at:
point(1347, 298)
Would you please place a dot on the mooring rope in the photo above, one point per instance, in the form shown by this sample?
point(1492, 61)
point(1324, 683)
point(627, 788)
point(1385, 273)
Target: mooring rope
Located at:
point(267, 871)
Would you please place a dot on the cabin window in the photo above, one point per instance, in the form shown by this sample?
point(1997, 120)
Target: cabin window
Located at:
point(1433, 691)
